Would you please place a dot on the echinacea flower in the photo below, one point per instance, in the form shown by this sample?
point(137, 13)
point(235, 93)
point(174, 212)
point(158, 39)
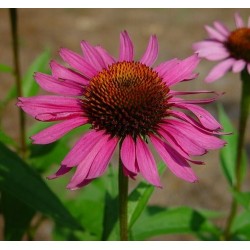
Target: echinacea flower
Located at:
point(232, 48)
point(126, 102)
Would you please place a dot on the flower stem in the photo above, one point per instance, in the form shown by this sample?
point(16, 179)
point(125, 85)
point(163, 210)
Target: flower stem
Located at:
point(15, 48)
point(123, 202)
point(244, 112)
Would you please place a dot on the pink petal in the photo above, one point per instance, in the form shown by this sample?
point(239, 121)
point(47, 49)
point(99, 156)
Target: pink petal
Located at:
point(221, 28)
point(126, 48)
point(151, 52)
point(77, 62)
point(92, 56)
point(183, 141)
point(214, 34)
point(83, 168)
point(163, 68)
point(146, 163)
point(82, 148)
point(101, 161)
point(182, 70)
point(238, 66)
point(220, 70)
point(174, 93)
point(63, 87)
point(205, 118)
point(213, 53)
point(60, 72)
point(56, 107)
point(238, 21)
point(207, 44)
point(128, 154)
point(175, 162)
point(201, 139)
point(107, 58)
point(56, 131)
point(61, 171)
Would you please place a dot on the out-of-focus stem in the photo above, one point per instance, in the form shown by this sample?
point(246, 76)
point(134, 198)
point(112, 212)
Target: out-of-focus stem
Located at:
point(123, 202)
point(17, 73)
point(244, 112)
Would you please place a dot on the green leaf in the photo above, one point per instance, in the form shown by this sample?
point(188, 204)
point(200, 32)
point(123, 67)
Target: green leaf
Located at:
point(5, 68)
point(138, 199)
point(17, 216)
point(157, 221)
point(228, 153)
point(242, 198)
point(21, 181)
point(241, 224)
point(30, 87)
point(6, 139)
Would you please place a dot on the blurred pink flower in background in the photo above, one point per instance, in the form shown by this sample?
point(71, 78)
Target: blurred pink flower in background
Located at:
point(126, 102)
point(232, 48)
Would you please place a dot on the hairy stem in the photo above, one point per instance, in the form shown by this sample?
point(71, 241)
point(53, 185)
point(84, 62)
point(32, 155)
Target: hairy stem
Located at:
point(244, 112)
point(17, 73)
point(123, 202)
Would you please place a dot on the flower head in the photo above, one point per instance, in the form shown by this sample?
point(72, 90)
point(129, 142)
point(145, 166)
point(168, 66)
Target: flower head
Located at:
point(231, 47)
point(126, 102)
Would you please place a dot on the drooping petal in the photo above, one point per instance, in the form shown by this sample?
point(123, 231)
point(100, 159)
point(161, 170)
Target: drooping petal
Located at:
point(182, 70)
point(214, 53)
point(61, 171)
point(207, 44)
point(175, 162)
point(128, 154)
point(56, 131)
point(202, 139)
point(92, 56)
point(63, 87)
point(146, 163)
point(221, 28)
point(238, 21)
point(60, 72)
point(190, 147)
point(238, 66)
point(151, 52)
point(102, 159)
point(126, 48)
point(214, 34)
point(107, 58)
point(51, 107)
point(219, 70)
point(83, 168)
point(163, 68)
point(205, 118)
point(82, 148)
point(77, 62)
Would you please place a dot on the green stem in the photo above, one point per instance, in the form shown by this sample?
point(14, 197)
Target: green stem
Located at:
point(244, 112)
point(123, 202)
point(17, 73)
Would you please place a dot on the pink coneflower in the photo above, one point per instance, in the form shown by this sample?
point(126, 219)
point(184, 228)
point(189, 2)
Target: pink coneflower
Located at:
point(126, 102)
point(233, 48)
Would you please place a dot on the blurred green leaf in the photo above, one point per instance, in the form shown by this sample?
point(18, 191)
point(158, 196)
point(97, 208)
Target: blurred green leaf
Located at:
point(228, 153)
point(30, 87)
point(17, 216)
point(5, 68)
point(242, 198)
point(241, 224)
point(21, 181)
point(6, 139)
point(139, 197)
point(157, 221)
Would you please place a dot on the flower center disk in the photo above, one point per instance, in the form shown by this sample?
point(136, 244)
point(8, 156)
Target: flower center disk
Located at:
point(128, 98)
point(239, 44)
